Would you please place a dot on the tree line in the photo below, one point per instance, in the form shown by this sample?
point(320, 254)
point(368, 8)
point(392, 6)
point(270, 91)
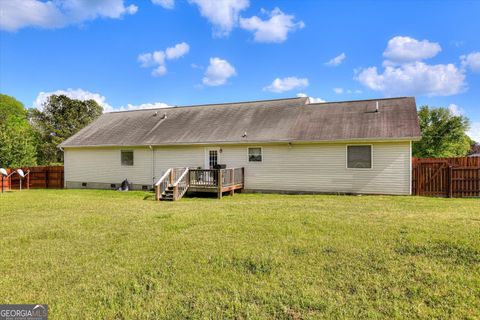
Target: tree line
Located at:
point(30, 137)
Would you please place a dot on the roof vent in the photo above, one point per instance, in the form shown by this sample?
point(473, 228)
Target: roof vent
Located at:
point(244, 134)
point(155, 114)
point(376, 106)
point(164, 116)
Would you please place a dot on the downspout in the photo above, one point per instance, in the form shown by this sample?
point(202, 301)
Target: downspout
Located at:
point(153, 164)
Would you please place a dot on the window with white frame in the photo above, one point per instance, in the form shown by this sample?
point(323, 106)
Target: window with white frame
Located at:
point(359, 157)
point(126, 157)
point(254, 154)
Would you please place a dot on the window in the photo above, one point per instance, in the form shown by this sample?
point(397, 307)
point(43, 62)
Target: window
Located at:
point(254, 154)
point(359, 157)
point(127, 158)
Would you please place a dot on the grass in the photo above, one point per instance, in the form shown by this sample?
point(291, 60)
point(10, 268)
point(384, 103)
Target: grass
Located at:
point(105, 254)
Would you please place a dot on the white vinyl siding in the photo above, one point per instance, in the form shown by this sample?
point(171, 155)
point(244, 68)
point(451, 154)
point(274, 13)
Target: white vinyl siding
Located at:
point(301, 167)
point(322, 168)
point(174, 157)
point(104, 165)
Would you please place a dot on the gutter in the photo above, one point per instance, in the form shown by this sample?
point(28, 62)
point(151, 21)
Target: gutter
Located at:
point(247, 142)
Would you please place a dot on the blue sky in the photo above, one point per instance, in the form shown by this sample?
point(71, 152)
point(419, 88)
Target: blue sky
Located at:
point(136, 54)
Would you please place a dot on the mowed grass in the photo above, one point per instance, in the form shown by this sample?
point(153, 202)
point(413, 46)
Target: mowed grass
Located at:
point(111, 255)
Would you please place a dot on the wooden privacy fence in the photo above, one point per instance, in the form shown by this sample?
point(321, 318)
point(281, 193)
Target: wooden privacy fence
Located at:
point(446, 177)
point(44, 177)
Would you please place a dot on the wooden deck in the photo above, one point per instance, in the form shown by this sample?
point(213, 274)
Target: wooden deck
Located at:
point(177, 181)
point(216, 180)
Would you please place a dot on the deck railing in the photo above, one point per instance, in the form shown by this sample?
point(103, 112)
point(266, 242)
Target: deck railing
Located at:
point(207, 178)
point(162, 184)
point(181, 185)
point(216, 180)
point(169, 178)
point(213, 178)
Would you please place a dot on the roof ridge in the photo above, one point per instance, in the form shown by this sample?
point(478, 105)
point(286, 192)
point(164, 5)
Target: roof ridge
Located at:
point(349, 101)
point(208, 104)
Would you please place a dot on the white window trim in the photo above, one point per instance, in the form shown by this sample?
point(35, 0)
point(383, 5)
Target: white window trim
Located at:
point(133, 160)
point(359, 145)
point(248, 154)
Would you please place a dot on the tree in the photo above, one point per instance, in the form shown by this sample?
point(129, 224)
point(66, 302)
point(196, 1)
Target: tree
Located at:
point(474, 148)
point(17, 141)
point(60, 118)
point(443, 134)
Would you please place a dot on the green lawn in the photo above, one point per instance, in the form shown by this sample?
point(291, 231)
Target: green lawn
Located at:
point(106, 254)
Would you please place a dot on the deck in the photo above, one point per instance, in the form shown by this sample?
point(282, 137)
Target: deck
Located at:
point(177, 181)
point(216, 180)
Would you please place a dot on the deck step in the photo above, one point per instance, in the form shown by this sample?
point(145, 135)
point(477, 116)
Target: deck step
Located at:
point(167, 194)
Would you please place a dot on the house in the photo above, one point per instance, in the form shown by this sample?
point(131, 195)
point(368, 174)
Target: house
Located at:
point(284, 145)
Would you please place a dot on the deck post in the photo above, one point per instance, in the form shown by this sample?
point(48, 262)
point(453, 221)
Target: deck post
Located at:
point(220, 182)
point(243, 178)
point(232, 192)
point(157, 193)
point(175, 193)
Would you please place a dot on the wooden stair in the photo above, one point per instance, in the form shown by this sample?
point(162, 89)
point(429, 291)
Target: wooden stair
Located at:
point(167, 195)
point(173, 184)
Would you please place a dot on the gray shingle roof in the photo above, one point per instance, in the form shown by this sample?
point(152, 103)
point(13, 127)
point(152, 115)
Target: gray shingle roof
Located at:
point(263, 121)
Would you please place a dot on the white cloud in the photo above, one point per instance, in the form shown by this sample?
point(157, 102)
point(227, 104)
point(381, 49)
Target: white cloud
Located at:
point(471, 61)
point(167, 4)
point(354, 91)
point(405, 49)
point(78, 94)
point(83, 95)
point(157, 58)
point(338, 90)
point(456, 110)
point(316, 100)
point(177, 51)
point(415, 78)
point(286, 84)
point(275, 29)
point(159, 71)
point(153, 105)
point(310, 99)
point(222, 14)
point(150, 59)
point(218, 72)
point(474, 132)
point(17, 14)
point(337, 60)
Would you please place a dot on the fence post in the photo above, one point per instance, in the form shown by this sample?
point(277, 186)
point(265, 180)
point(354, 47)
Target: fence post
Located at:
point(450, 181)
point(46, 177)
